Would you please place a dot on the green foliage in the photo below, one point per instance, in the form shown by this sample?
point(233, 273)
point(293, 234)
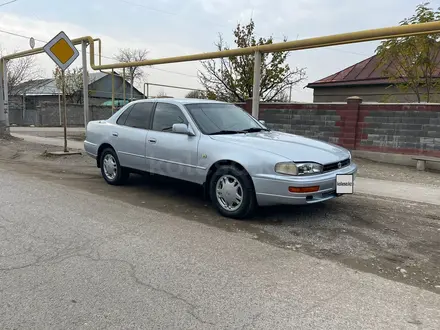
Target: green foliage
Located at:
point(412, 63)
point(73, 83)
point(231, 80)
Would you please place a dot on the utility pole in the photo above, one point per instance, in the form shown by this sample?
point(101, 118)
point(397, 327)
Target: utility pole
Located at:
point(131, 83)
point(3, 127)
point(87, 115)
point(256, 87)
point(123, 84)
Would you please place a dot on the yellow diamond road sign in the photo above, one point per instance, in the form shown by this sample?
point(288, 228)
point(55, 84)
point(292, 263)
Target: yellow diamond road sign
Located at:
point(61, 50)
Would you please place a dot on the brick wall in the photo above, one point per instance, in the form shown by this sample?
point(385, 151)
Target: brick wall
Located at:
point(391, 128)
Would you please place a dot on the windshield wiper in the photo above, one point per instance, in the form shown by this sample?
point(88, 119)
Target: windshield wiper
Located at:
point(255, 129)
point(227, 132)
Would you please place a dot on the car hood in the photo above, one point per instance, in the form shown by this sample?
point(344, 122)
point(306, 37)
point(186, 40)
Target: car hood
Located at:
point(294, 147)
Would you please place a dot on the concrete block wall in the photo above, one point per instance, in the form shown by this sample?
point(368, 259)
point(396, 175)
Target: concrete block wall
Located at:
point(398, 128)
point(319, 122)
point(48, 114)
point(409, 129)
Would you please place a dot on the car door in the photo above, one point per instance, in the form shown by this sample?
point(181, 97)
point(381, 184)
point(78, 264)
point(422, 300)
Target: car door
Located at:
point(168, 153)
point(130, 133)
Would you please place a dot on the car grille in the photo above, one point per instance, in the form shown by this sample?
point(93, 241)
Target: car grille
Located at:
point(335, 166)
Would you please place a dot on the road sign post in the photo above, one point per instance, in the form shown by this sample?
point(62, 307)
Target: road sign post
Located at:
point(62, 51)
point(63, 79)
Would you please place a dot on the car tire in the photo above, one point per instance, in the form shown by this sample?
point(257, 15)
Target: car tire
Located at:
point(230, 181)
point(111, 170)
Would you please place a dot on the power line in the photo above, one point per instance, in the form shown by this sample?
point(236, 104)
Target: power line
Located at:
point(178, 14)
point(103, 56)
point(166, 12)
point(20, 35)
point(7, 3)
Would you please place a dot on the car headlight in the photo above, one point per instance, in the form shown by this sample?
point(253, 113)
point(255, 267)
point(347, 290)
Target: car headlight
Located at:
point(298, 168)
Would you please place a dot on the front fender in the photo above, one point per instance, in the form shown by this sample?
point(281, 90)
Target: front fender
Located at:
point(254, 161)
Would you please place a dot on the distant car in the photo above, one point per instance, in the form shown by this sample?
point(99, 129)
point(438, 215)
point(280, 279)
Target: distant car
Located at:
point(239, 161)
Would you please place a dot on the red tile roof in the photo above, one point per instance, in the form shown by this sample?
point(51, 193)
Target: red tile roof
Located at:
point(366, 72)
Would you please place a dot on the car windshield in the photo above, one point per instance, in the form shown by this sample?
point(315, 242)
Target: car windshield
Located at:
point(222, 118)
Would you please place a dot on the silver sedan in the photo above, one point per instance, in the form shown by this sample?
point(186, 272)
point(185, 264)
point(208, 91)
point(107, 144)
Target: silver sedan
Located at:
point(240, 162)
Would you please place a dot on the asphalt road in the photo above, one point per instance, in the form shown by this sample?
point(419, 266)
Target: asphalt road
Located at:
point(72, 258)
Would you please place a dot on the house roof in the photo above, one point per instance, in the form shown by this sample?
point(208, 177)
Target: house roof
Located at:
point(94, 76)
point(36, 87)
point(366, 72)
point(48, 86)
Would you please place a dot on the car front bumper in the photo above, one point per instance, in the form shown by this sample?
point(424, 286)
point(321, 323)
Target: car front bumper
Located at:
point(274, 189)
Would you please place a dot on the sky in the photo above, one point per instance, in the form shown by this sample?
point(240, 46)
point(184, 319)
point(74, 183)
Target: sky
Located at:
point(175, 27)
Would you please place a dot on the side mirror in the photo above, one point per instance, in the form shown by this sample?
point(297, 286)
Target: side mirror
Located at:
point(262, 122)
point(182, 129)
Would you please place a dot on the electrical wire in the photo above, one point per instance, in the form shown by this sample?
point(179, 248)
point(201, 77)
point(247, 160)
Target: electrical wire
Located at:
point(103, 56)
point(221, 25)
point(7, 3)
point(168, 12)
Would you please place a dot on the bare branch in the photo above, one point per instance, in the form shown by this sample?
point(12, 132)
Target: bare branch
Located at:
point(233, 80)
point(73, 83)
point(21, 70)
point(126, 55)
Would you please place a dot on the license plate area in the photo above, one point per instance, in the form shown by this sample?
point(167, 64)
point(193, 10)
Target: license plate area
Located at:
point(344, 184)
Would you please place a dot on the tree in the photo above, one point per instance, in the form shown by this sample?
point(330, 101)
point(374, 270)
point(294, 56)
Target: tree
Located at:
point(73, 83)
point(134, 73)
point(231, 79)
point(412, 63)
point(161, 94)
point(196, 95)
point(20, 70)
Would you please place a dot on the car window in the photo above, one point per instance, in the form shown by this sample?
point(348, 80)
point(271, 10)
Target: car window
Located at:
point(122, 118)
point(166, 115)
point(216, 117)
point(140, 115)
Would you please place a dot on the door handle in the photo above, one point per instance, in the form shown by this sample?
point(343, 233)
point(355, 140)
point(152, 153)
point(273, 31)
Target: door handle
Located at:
point(115, 134)
point(152, 140)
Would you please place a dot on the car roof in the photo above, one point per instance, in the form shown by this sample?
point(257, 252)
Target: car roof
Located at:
point(179, 100)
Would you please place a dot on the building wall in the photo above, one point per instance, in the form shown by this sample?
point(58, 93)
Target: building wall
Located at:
point(391, 128)
point(48, 114)
point(102, 88)
point(29, 114)
point(369, 93)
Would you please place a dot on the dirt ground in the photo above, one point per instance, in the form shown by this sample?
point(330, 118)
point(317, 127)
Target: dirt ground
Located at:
point(396, 239)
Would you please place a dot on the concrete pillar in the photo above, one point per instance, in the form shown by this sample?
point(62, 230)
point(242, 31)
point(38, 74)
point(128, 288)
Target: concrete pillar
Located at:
point(256, 87)
point(350, 122)
point(421, 165)
point(354, 100)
